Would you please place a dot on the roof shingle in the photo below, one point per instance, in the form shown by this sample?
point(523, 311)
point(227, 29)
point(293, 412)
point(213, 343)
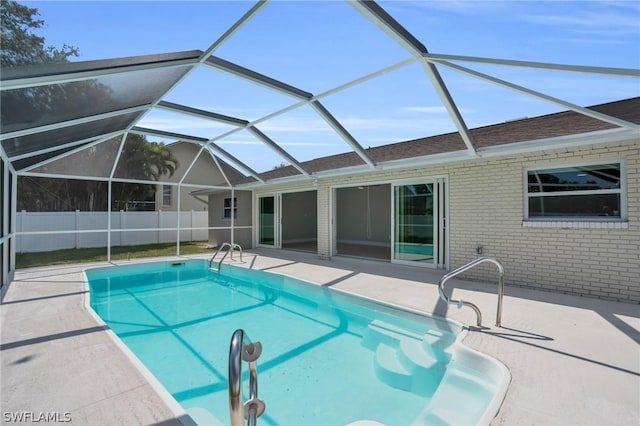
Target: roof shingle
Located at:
point(528, 129)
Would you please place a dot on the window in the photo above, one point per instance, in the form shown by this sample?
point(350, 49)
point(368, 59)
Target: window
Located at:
point(166, 195)
point(588, 192)
point(227, 208)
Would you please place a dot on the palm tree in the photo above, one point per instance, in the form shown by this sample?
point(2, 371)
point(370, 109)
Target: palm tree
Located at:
point(144, 160)
point(141, 160)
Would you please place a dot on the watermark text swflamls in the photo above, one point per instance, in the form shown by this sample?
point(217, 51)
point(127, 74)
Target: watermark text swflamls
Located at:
point(36, 416)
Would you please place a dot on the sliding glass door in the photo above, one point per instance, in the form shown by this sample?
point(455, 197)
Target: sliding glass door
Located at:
point(418, 223)
point(268, 218)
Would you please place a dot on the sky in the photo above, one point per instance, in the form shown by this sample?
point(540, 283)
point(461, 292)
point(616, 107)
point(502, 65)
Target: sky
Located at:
point(320, 45)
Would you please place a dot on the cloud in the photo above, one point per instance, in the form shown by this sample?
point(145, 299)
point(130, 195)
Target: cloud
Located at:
point(593, 40)
point(427, 109)
point(601, 19)
point(466, 7)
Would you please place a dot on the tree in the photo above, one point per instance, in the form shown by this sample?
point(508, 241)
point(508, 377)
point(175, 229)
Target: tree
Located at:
point(282, 165)
point(20, 46)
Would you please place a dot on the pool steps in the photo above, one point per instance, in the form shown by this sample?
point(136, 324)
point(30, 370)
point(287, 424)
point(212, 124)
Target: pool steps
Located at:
point(458, 384)
point(428, 364)
point(408, 360)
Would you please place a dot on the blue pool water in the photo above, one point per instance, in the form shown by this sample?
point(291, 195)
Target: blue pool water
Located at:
point(328, 358)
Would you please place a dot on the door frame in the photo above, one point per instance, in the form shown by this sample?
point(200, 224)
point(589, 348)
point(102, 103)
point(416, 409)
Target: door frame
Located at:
point(333, 209)
point(277, 219)
point(277, 237)
point(440, 216)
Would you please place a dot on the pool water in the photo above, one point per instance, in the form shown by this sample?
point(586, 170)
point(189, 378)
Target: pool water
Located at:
point(328, 358)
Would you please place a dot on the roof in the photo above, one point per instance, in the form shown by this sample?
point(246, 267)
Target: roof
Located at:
point(524, 130)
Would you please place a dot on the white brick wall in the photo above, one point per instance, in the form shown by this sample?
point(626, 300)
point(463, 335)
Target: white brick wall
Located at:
point(594, 261)
point(486, 208)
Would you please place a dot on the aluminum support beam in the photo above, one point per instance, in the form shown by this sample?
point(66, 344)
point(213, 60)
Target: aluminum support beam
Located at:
point(451, 107)
point(372, 11)
point(78, 71)
point(335, 124)
point(109, 196)
point(257, 78)
point(197, 140)
point(122, 180)
point(585, 111)
point(14, 224)
point(193, 162)
point(178, 222)
point(65, 154)
point(82, 144)
point(237, 122)
point(295, 92)
point(200, 113)
point(257, 8)
point(215, 160)
point(279, 150)
point(618, 72)
point(75, 122)
point(7, 211)
point(389, 25)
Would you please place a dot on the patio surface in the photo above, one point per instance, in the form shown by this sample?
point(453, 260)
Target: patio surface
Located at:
point(573, 360)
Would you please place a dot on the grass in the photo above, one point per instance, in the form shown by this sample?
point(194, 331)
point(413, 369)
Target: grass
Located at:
point(99, 254)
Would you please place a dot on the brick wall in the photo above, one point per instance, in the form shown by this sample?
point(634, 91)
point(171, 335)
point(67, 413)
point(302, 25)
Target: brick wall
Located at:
point(486, 208)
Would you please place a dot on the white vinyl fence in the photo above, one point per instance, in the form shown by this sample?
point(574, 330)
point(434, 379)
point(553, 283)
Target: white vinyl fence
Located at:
point(93, 226)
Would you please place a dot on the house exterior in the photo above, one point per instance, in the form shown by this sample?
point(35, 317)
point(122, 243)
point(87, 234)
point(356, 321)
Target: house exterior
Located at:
point(555, 198)
point(203, 171)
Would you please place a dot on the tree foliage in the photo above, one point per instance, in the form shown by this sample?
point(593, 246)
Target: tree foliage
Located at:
point(20, 45)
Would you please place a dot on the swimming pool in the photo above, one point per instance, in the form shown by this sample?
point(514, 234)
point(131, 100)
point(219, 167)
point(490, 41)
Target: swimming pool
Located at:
point(328, 357)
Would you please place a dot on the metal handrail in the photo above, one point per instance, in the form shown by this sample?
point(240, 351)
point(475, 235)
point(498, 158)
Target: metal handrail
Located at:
point(236, 246)
point(223, 245)
point(461, 302)
point(232, 247)
point(242, 349)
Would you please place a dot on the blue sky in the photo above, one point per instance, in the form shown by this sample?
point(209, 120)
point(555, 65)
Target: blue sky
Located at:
point(319, 45)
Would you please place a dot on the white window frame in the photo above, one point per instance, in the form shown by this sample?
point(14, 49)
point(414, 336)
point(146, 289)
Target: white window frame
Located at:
point(164, 195)
point(576, 220)
point(226, 209)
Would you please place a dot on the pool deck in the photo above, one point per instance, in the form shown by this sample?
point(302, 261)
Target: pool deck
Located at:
point(573, 360)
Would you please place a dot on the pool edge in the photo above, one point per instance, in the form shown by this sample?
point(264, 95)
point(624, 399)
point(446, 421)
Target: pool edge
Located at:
point(174, 407)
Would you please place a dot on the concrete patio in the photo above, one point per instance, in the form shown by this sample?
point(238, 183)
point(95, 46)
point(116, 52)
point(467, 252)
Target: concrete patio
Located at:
point(573, 360)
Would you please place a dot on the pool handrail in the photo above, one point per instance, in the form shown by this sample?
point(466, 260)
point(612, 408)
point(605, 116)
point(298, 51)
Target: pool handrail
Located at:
point(242, 349)
point(236, 246)
point(232, 247)
point(461, 302)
